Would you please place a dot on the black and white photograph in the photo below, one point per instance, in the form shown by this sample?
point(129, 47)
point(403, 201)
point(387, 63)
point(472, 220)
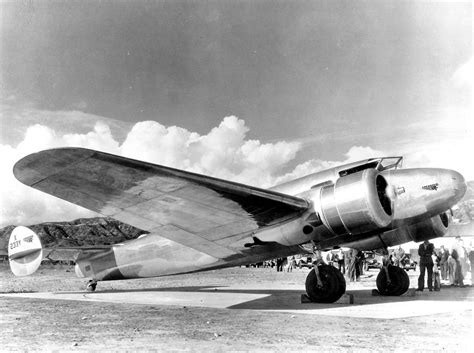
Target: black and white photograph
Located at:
point(236, 176)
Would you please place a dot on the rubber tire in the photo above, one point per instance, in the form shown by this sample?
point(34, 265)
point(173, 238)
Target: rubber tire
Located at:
point(334, 285)
point(341, 281)
point(399, 281)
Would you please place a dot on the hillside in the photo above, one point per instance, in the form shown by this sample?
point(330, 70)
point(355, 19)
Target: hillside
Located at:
point(81, 232)
point(463, 214)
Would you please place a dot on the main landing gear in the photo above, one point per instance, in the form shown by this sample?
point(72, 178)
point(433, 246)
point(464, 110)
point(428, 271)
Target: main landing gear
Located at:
point(392, 280)
point(325, 284)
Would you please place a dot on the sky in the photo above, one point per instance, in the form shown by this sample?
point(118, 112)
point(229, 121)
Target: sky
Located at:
point(258, 92)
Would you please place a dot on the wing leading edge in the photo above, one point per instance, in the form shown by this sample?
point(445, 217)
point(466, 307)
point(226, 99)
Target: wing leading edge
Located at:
point(208, 214)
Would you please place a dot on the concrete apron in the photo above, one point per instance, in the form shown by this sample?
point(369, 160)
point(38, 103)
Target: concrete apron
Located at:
point(279, 300)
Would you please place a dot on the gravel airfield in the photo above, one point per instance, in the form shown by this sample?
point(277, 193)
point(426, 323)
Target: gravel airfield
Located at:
point(29, 324)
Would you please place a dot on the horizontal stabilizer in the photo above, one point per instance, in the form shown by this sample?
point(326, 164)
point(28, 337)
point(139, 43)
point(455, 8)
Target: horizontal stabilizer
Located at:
point(24, 251)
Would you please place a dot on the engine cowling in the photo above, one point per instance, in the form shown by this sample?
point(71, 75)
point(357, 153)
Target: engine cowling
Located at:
point(356, 203)
point(433, 227)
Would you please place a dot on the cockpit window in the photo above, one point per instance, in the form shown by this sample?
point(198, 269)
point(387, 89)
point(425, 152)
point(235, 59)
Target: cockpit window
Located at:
point(376, 163)
point(390, 163)
point(370, 165)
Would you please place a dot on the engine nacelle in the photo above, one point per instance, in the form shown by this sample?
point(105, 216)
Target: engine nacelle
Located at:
point(433, 227)
point(356, 203)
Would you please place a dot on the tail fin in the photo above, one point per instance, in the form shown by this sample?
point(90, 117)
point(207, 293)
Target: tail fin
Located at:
point(24, 251)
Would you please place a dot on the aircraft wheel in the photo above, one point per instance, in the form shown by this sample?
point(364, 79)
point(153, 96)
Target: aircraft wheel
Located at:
point(399, 281)
point(91, 285)
point(333, 285)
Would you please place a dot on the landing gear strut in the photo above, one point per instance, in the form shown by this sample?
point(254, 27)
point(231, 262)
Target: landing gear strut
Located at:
point(325, 284)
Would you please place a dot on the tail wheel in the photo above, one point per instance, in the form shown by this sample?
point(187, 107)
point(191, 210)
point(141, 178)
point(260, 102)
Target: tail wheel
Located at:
point(333, 285)
point(91, 285)
point(399, 281)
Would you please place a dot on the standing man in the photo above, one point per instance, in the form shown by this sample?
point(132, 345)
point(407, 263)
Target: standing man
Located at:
point(280, 262)
point(340, 261)
point(457, 250)
point(360, 264)
point(470, 255)
point(352, 265)
point(443, 262)
point(399, 256)
point(462, 255)
point(425, 251)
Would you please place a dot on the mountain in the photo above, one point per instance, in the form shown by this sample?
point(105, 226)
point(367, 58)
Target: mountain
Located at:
point(463, 214)
point(81, 232)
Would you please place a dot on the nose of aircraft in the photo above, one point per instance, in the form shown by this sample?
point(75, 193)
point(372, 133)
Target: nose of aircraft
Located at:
point(425, 192)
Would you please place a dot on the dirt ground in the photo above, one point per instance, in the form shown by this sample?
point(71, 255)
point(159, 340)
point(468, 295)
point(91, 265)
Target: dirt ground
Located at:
point(62, 325)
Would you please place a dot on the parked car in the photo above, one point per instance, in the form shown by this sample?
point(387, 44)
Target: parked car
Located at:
point(305, 261)
point(408, 263)
point(372, 260)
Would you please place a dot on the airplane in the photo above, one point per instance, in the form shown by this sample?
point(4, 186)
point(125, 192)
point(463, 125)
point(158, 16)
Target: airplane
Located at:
point(194, 222)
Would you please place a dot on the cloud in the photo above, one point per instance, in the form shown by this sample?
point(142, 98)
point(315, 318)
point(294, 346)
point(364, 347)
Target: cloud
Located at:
point(355, 153)
point(443, 140)
point(15, 120)
point(224, 152)
point(20, 204)
point(463, 77)
point(100, 138)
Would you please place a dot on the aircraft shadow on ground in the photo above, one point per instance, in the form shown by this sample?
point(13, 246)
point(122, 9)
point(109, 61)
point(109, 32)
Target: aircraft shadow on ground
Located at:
point(281, 299)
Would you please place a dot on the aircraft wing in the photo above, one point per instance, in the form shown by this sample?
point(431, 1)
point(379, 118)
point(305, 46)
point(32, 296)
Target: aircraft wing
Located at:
point(210, 215)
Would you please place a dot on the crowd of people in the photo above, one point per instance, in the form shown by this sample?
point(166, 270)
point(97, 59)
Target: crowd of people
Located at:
point(440, 266)
point(450, 266)
point(349, 263)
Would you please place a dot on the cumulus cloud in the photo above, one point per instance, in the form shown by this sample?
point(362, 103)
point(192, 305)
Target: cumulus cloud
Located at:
point(20, 204)
point(224, 152)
